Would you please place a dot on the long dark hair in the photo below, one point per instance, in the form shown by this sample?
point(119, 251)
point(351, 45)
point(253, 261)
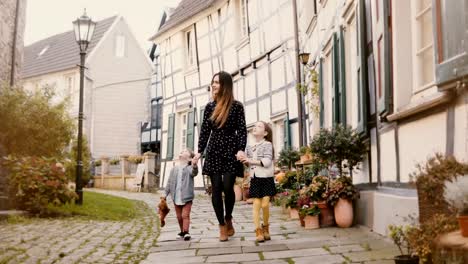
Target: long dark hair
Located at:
point(269, 136)
point(224, 98)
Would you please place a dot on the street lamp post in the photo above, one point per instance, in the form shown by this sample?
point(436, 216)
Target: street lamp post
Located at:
point(84, 29)
point(304, 59)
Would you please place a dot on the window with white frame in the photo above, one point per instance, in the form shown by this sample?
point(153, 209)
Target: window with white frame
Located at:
point(120, 46)
point(423, 43)
point(244, 18)
point(190, 48)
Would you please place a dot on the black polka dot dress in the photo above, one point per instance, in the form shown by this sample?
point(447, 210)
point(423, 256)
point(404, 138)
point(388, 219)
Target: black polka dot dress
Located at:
point(222, 146)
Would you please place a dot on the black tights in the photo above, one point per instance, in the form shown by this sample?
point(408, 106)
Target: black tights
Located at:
point(219, 184)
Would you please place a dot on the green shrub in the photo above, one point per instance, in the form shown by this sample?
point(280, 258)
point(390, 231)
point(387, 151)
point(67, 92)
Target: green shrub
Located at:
point(114, 161)
point(135, 159)
point(32, 124)
point(340, 145)
point(37, 182)
point(70, 163)
point(287, 157)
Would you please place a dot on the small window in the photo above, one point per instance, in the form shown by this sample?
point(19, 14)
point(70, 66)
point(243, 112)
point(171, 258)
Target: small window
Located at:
point(190, 48)
point(424, 43)
point(120, 46)
point(244, 18)
point(43, 51)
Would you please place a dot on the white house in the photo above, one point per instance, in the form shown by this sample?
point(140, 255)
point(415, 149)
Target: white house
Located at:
point(398, 81)
point(253, 40)
point(116, 86)
point(396, 71)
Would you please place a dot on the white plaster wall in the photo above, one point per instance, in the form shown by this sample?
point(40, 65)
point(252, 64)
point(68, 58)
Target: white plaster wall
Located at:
point(419, 140)
point(388, 169)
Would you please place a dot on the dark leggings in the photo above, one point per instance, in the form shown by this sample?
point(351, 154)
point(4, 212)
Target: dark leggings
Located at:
point(219, 184)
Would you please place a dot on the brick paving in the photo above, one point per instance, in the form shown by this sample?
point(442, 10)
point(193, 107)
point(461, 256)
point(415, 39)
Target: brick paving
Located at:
point(75, 241)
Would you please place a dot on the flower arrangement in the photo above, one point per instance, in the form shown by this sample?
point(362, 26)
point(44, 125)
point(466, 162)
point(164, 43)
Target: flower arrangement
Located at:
point(343, 188)
point(307, 210)
point(292, 199)
point(304, 197)
point(318, 188)
point(135, 159)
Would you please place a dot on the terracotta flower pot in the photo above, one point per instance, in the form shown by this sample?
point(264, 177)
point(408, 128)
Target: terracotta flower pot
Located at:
point(344, 213)
point(463, 223)
point(238, 192)
point(311, 222)
point(301, 219)
point(293, 214)
point(326, 214)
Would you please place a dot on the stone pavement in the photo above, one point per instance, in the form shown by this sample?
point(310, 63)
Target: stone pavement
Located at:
point(60, 241)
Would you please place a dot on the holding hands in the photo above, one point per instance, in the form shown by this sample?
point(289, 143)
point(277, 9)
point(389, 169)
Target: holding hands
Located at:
point(242, 157)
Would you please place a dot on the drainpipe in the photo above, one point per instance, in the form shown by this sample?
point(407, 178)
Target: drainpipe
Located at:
point(300, 109)
point(13, 52)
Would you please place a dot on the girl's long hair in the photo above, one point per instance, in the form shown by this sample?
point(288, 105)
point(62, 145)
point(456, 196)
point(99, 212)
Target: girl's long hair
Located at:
point(224, 98)
point(269, 136)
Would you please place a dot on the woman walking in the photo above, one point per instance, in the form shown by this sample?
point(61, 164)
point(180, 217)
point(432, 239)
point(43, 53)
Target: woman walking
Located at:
point(224, 126)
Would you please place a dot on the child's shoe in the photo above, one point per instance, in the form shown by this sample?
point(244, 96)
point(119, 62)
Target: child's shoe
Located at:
point(259, 235)
point(187, 236)
point(181, 235)
point(266, 232)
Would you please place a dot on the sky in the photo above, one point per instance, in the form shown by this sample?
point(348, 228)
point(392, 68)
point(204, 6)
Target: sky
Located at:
point(45, 18)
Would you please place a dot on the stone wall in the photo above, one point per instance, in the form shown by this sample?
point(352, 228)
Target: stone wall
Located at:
point(8, 14)
point(7, 28)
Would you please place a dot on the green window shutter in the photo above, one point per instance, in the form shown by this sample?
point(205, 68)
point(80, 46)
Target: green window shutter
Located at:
point(342, 85)
point(335, 82)
point(362, 69)
point(321, 93)
point(170, 137)
point(385, 100)
point(202, 114)
point(287, 132)
point(191, 128)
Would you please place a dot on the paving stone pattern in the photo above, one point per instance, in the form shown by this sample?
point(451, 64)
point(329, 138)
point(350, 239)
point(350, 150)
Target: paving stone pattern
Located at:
point(139, 241)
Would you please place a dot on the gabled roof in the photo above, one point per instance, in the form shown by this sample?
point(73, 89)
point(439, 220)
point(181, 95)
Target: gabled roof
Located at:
point(59, 52)
point(185, 10)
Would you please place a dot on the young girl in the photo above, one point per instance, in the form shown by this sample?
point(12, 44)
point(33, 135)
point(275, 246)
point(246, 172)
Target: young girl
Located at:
point(180, 187)
point(262, 186)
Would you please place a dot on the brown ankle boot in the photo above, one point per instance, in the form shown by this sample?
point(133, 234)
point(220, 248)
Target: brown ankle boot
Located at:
point(259, 235)
point(229, 228)
point(223, 233)
point(266, 232)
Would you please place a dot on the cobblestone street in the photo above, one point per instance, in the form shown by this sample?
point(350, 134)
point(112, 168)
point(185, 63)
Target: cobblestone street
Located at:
point(64, 241)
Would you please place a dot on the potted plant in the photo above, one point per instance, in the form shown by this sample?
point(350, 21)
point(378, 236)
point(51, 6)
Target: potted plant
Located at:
point(341, 146)
point(305, 154)
point(400, 236)
point(303, 200)
point(291, 203)
point(456, 195)
point(341, 195)
point(318, 196)
point(311, 216)
point(287, 157)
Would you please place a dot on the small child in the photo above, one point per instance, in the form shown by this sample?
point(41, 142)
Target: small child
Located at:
point(259, 158)
point(180, 187)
